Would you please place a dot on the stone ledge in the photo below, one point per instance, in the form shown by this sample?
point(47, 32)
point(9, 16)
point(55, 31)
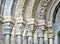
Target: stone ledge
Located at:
point(31, 22)
point(20, 20)
point(41, 22)
point(8, 19)
point(50, 34)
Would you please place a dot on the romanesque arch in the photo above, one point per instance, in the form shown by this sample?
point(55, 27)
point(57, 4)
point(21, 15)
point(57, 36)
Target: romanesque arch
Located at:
point(29, 21)
point(52, 17)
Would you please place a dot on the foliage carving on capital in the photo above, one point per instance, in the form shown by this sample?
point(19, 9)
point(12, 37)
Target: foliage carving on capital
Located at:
point(17, 29)
point(7, 27)
point(50, 33)
point(20, 19)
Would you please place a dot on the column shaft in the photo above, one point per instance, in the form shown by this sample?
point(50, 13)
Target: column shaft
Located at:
point(56, 39)
point(30, 40)
point(41, 40)
point(46, 37)
point(12, 40)
point(41, 37)
point(25, 40)
point(19, 39)
point(7, 39)
point(35, 39)
point(50, 40)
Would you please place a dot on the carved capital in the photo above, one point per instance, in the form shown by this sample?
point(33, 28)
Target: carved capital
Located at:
point(40, 32)
point(31, 24)
point(19, 29)
point(31, 28)
point(7, 28)
point(50, 33)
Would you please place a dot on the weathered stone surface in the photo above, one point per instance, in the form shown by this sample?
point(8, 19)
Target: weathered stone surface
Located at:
point(29, 21)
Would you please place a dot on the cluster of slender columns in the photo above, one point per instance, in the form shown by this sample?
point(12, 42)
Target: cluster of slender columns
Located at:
point(50, 33)
point(21, 35)
point(18, 34)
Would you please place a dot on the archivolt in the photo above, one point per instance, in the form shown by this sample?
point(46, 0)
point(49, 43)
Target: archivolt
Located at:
point(30, 8)
point(52, 10)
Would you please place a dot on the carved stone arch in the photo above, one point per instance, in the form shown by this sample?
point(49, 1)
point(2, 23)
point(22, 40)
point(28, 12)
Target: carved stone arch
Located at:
point(35, 8)
point(2, 4)
point(51, 15)
point(51, 18)
point(13, 8)
point(30, 8)
point(51, 11)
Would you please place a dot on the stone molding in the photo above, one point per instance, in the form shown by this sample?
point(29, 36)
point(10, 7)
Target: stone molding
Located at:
point(8, 19)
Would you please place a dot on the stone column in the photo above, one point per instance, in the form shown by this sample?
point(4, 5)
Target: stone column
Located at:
point(50, 33)
point(50, 36)
point(19, 29)
point(13, 39)
point(7, 32)
point(7, 25)
point(41, 28)
point(8, 20)
point(31, 24)
point(51, 41)
point(30, 38)
point(25, 38)
point(35, 38)
point(46, 37)
point(7, 39)
point(40, 37)
point(19, 39)
point(56, 39)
